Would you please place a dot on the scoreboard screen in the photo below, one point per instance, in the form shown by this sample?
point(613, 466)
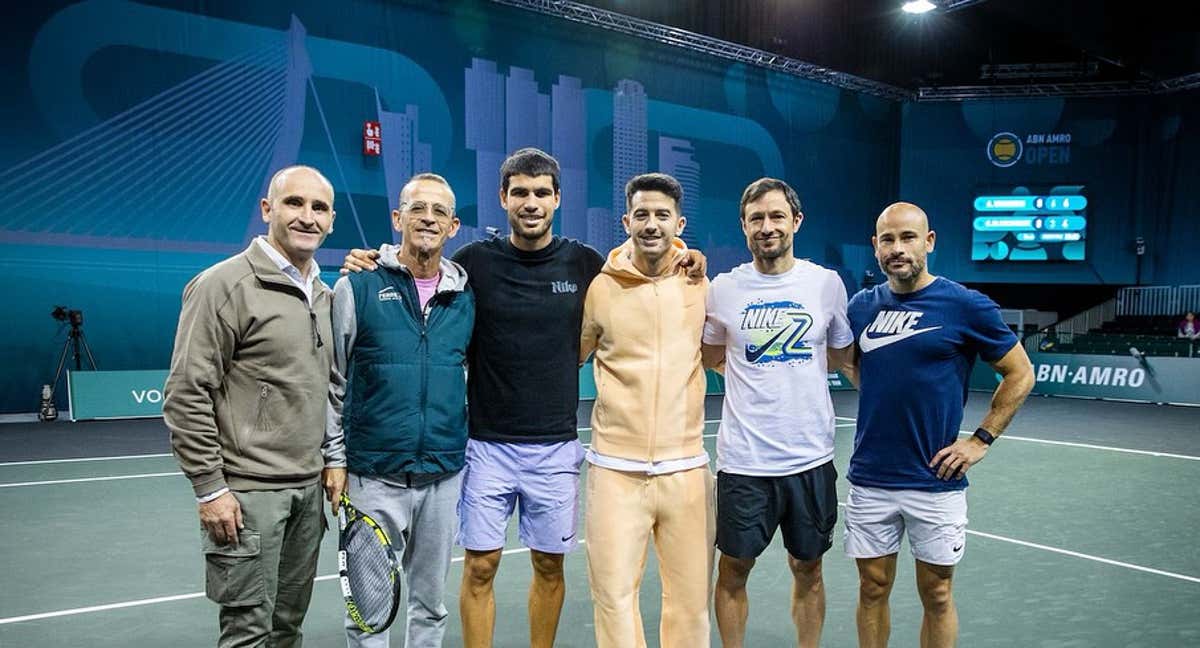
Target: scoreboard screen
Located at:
point(1030, 223)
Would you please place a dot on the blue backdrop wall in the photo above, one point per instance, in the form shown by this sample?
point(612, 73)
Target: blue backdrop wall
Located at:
point(137, 137)
point(1137, 157)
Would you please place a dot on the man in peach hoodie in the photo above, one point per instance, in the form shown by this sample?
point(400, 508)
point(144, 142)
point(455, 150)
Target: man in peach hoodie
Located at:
point(649, 471)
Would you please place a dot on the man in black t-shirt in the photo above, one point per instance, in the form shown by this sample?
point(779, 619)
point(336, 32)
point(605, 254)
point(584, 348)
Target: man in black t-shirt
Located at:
point(522, 394)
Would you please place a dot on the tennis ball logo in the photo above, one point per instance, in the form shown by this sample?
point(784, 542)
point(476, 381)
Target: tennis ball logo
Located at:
point(1004, 149)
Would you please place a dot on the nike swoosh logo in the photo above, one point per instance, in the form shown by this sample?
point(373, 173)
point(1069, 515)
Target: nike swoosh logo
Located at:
point(753, 356)
point(870, 344)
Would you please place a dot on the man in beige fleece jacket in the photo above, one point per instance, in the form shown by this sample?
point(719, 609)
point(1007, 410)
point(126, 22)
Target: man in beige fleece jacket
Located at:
point(649, 471)
point(246, 403)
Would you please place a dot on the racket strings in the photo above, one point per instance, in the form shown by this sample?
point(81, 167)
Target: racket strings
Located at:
point(370, 572)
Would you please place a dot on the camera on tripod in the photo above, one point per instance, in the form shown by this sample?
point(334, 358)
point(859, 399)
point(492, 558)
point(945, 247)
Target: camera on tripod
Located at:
point(76, 346)
point(64, 314)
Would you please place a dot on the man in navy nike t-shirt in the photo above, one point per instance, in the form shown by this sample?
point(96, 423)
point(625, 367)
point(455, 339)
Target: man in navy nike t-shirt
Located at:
point(917, 337)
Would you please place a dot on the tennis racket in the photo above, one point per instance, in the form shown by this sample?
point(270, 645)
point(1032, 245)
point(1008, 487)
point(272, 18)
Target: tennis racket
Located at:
point(367, 569)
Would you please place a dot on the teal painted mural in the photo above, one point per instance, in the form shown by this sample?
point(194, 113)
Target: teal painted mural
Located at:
point(139, 137)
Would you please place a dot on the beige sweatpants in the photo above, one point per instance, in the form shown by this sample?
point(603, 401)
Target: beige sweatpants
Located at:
point(623, 510)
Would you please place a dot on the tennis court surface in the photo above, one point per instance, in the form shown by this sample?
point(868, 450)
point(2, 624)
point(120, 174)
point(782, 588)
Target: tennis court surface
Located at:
point(1083, 533)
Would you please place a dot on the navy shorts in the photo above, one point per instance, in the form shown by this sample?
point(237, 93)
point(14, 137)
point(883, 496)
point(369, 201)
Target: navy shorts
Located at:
point(804, 506)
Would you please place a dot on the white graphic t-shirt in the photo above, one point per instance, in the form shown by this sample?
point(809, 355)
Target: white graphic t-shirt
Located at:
point(778, 416)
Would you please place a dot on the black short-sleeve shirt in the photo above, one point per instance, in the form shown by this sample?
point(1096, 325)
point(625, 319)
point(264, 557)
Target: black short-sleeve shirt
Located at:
point(523, 380)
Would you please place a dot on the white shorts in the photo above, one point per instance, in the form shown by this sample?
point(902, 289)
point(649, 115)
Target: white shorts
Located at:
point(936, 523)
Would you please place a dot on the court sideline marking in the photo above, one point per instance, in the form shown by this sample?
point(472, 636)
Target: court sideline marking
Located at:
point(177, 597)
point(1076, 554)
point(118, 457)
point(193, 595)
point(1075, 444)
point(847, 422)
point(170, 474)
point(81, 459)
point(88, 479)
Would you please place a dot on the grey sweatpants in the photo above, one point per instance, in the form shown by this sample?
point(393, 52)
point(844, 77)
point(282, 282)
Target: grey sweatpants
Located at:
point(420, 521)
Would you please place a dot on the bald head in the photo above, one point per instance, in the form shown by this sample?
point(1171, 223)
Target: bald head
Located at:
point(902, 214)
point(298, 211)
point(902, 241)
point(279, 180)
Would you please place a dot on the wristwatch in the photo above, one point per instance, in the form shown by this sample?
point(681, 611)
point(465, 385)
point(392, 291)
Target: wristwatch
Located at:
point(984, 435)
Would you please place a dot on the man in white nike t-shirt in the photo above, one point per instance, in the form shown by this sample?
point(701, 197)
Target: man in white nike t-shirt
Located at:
point(772, 323)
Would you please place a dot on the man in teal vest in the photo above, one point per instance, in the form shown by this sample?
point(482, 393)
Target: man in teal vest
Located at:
point(399, 418)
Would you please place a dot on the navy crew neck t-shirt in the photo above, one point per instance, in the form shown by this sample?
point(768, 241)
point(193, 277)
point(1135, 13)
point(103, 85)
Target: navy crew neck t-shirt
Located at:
point(916, 352)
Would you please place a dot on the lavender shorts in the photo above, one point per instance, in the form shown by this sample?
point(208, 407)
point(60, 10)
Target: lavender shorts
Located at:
point(542, 478)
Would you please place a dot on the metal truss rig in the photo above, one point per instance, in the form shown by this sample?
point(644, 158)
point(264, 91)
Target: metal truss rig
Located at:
point(581, 13)
point(946, 6)
point(595, 17)
point(1072, 89)
point(1185, 82)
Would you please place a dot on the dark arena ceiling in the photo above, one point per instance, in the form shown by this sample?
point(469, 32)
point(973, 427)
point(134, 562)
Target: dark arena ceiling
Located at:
point(1074, 46)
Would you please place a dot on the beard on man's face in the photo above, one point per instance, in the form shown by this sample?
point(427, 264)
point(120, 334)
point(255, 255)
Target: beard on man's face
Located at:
point(912, 267)
point(759, 251)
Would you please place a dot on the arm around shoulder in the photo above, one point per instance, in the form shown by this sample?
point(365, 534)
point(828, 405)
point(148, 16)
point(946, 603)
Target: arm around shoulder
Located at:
point(589, 332)
point(712, 356)
point(345, 330)
point(845, 360)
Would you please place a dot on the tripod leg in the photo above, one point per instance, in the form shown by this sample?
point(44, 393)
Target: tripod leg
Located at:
point(75, 350)
point(86, 349)
point(62, 359)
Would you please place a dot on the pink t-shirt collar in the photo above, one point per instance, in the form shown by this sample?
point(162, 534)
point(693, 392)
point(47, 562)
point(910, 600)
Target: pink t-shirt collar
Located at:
point(426, 288)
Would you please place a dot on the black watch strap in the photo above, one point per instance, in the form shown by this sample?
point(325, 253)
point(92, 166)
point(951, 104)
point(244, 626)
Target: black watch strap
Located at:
point(984, 435)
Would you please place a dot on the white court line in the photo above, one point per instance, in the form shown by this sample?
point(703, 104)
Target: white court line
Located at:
point(166, 474)
point(848, 422)
point(1148, 453)
point(79, 459)
point(990, 536)
point(87, 479)
point(168, 599)
point(100, 608)
point(180, 597)
point(1074, 444)
point(163, 454)
point(1076, 554)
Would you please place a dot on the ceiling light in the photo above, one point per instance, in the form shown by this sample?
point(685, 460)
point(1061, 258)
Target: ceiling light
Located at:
point(918, 6)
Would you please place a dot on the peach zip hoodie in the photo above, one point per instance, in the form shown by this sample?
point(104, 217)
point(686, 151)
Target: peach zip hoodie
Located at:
point(649, 382)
